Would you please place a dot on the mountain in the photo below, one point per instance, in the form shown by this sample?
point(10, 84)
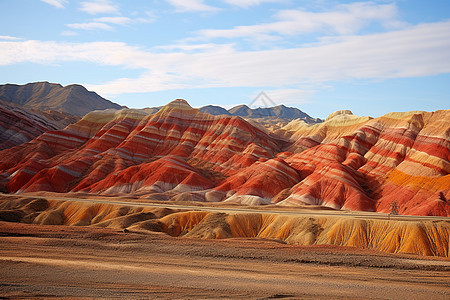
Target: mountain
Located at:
point(73, 99)
point(214, 110)
point(272, 118)
point(100, 148)
point(280, 111)
point(276, 112)
point(19, 125)
point(396, 163)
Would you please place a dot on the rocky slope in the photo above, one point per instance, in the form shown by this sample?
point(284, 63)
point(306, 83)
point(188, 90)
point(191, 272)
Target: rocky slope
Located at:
point(214, 110)
point(19, 125)
point(280, 111)
point(73, 99)
point(398, 162)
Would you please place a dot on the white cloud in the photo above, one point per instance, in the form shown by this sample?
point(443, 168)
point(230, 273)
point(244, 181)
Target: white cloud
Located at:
point(290, 96)
point(98, 7)
point(191, 6)
point(102, 53)
point(56, 3)
point(195, 47)
point(113, 20)
point(69, 33)
point(420, 50)
point(90, 26)
point(412, 52)
point(125, 20)
point(100, 23)
point(9, 38)
point(248, 3)
point(343, 19)
point(149, 18)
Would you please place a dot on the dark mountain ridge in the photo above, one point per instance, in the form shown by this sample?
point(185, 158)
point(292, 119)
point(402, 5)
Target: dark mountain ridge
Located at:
point(276, 112)
point(73, 99)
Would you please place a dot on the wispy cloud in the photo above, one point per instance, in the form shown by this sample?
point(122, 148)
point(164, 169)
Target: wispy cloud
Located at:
point(420, 50)
point(290, 96)
point(150, 17)
point(412, 52)
point(248, 3)
point(114, 20)
point(68, 33)
point(56, 3)
point(50, 52)
point(188, 48)
point(342, 19)
point(90, 26)
point(105, 23)
point(9, 38)
point(98, 7)
point(191, 6)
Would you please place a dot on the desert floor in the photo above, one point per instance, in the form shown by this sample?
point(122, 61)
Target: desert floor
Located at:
point(44, 262)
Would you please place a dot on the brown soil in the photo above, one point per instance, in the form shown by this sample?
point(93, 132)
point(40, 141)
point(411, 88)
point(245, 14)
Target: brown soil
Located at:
point(43, 262)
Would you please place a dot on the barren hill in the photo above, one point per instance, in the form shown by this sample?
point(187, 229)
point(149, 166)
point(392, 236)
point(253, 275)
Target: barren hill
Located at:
point(280, 111)
point(73, 99)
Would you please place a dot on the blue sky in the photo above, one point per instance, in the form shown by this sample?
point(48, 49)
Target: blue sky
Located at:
point(371, 57)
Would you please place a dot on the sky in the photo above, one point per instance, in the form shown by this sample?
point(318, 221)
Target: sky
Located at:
point(372, 57)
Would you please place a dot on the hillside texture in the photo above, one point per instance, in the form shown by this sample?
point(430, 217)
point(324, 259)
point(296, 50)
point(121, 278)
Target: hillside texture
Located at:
point(425, 238)
point(73, 99)
point(396, 163)
point(19, 125)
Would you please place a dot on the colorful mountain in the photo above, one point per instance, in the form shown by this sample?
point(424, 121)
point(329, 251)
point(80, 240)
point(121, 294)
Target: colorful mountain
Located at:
point(73, 99)
point(279, 113)
point(19, 125)
point(396, 163)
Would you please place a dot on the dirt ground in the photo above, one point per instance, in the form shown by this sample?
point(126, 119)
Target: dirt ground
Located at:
point(45, 262)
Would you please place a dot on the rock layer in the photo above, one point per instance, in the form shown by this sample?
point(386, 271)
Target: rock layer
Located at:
point(426, 238)
point(19, 125)
point(397, 163)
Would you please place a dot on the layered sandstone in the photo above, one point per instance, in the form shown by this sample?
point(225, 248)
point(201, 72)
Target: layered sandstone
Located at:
point(397, 163)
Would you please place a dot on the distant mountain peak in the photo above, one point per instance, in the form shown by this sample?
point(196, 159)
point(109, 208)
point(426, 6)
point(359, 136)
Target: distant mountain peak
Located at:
point(74, 99)
point(339, 113)
point(280, 111)
point(177, 104)
point(214, 110)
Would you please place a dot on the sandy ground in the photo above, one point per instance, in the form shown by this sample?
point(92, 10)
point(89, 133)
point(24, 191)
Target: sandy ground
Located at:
point(224, 207)
point(44, 262)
